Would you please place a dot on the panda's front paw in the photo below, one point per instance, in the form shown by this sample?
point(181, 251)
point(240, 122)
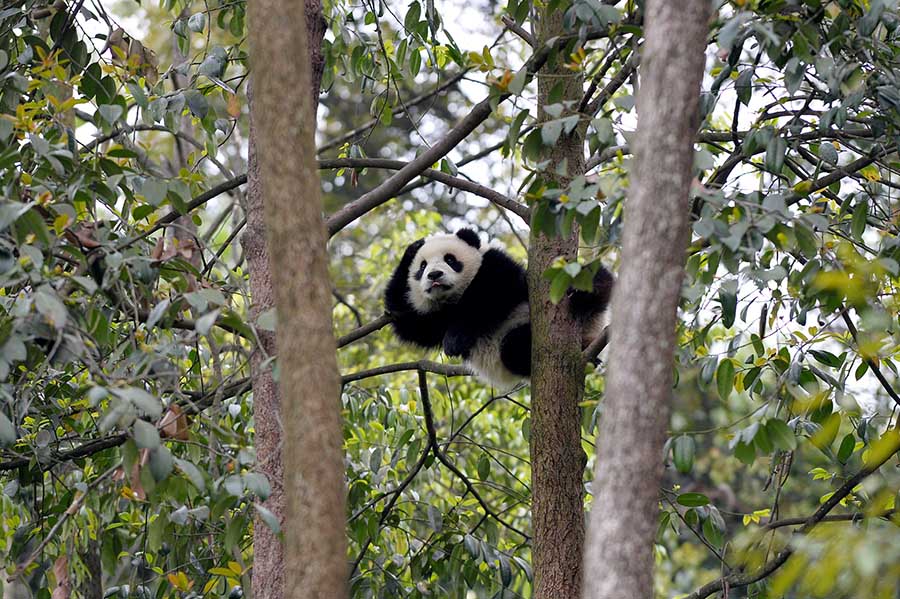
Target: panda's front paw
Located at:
point(457, 344)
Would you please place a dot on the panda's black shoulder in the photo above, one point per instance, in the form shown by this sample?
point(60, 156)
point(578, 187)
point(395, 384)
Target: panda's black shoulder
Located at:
point(499, 277)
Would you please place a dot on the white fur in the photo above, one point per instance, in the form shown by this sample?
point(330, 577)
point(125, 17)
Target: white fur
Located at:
point(422, 295)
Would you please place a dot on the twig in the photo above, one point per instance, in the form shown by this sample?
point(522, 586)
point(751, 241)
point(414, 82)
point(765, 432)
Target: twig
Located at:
point(833, 518)
point(596, 346)
point(395, 495)
point(871, 363)
point(614, 84)
point(339, 297)
point(518, 30)
point(340, 140)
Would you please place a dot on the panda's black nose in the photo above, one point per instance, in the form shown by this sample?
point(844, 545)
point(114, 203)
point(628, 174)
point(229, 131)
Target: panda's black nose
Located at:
point(434, 275)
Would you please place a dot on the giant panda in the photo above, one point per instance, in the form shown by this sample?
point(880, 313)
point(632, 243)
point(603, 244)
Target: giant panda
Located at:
point(450, 292)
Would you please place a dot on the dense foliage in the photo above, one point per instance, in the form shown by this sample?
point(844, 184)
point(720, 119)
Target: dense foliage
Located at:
point(126, 431)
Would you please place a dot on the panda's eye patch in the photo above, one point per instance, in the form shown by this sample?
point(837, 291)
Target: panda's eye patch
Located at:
point(419, 272)
point(453, 263)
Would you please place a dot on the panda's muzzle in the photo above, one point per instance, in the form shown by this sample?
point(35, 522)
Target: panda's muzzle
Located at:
point(435, 281)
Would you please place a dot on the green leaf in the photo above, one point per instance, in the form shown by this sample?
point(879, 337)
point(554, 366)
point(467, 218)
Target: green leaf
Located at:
point(692, 499)
point(848, 443)
point(858, 221)
point(7, 431)
point(193, 473)
point(484, 467)
point(744, 86)
point(110, 112)
point(234, 485)
point(550, 132)
point(728, 300)
point(154, 191)
point(197, 22)
point(161, 463)
point(270, 519)
point(781, 435)
point(725, 378)
point(412, 15)
point(518, 82)
point(147, 404)
point(146, 436)
point(51, 307)
point(828, 153)
point(683, 450)
point(775, 153)
point(258, 484)
point(745, 452)
point(559, 286)
point(828, 358)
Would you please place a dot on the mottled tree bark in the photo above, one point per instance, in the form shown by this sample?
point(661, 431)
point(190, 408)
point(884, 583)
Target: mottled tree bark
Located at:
point(268, 555)
point(557, 379)
point(639, 382)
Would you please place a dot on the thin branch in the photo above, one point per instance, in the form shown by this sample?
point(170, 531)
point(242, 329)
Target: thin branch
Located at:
point(395, 495)
point(873, 366)
point(422, 365)
point(197, 202)
point(457, 182)
point(356, 334)
point(596, 346)
point(833, 518)
point(195, 403)
point(614, 84)
point(341, 300)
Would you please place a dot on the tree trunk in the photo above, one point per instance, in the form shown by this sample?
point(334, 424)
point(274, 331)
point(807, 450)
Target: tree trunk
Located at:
point(639, 380)
point(557, 377)
point(268, 554)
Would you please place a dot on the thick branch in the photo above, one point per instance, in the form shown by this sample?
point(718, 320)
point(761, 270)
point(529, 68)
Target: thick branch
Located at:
point(357, 334)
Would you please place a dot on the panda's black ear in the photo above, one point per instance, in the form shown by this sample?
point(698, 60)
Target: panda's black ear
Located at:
point(470, 237)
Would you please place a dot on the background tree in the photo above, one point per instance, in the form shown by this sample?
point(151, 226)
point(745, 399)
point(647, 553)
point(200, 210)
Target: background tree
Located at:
point(127, 430)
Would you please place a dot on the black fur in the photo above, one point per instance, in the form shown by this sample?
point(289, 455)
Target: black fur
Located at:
point(499, 286)
point(585, 305)
point(470, 237)
point(515, 351)
point(423, 330)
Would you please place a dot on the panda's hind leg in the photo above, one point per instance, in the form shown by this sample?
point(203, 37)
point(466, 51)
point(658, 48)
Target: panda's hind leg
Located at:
point(515, 350)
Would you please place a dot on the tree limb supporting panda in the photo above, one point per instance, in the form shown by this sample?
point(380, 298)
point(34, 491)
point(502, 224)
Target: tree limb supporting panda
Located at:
point(450, 292)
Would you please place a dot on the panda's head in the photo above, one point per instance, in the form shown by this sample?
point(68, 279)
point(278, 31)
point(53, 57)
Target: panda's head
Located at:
point(442, 269)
